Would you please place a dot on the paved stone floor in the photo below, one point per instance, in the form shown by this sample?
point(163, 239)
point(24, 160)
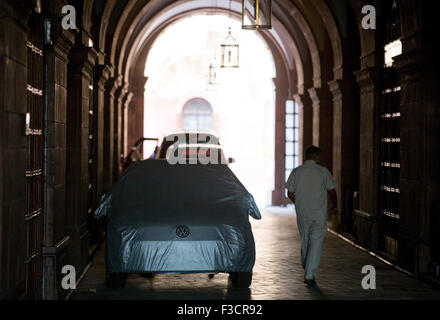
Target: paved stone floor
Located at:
point(277, 273)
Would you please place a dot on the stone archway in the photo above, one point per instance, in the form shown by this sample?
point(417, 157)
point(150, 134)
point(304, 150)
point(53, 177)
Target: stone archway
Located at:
point(284, 81)
point(313, 56)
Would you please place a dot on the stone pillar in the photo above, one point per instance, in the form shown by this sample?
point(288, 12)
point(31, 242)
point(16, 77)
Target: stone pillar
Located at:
point(367, 79)
point(81, 62)
point(56, 238)
point(109, 100)
point(345, 149)
point(418, 67)
point(120, 92)
point(323, 124)
point(135, 120)
point(281, 95)
point(305, 123)
point(101, 76)
point(125, 124)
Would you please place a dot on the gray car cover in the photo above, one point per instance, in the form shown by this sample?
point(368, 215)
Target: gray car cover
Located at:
point(178, 218)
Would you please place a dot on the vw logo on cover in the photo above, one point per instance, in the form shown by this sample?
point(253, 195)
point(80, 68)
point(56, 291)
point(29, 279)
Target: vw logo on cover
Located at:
point(182, 231)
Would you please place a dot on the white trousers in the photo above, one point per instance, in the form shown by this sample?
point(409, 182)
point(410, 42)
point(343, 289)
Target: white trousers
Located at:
point(312, 232)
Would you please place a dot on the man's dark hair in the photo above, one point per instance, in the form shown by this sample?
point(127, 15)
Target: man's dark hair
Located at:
point(312, 150)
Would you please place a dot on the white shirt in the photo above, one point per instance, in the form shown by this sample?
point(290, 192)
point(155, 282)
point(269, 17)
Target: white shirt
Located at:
point(310, 182)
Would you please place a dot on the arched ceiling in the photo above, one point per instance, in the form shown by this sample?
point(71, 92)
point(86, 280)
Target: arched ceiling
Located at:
point(304, 31)
point(164, 18)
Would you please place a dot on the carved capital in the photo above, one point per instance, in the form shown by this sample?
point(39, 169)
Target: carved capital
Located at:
point(127, 99)
point(314, 95)
point(338, 87)
point(367, 79)
point(102, 75)
point(83, 58)
point(137, 85)
point(113, 84)
point(121, 91)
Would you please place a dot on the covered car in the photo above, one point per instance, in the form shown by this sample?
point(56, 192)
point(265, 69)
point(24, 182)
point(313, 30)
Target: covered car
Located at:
point(164, 218)
point(186, 137)
point(193, 153)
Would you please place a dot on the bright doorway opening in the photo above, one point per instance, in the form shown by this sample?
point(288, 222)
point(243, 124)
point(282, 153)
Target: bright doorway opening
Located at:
point(239, 108)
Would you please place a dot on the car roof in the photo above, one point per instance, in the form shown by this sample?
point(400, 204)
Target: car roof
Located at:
point(199, 145)
point(192, 132)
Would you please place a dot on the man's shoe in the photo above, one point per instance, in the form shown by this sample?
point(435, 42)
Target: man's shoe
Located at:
point(305, 279)
point(310, 282)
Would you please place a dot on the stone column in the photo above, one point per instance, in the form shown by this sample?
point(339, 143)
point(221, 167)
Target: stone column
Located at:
point(81, 62)
point(101, 76)
point(367, 79)
point(120, 92)
point(56, 238)
point(281, 95)
point(109, 100)
point(135, 120)
point(125, 123)
point(323, 124)
point(345, 149)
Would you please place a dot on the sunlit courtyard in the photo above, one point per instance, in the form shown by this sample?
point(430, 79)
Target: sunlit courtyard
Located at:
point(238, 105)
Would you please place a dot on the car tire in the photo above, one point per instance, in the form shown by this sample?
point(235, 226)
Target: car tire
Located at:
point(116, 280)
point(241, 279)
point(147, 275)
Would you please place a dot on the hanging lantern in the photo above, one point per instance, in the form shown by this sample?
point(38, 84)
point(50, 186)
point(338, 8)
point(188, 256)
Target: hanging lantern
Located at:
point(256, 14)
point(230, 52)
point(213, 77)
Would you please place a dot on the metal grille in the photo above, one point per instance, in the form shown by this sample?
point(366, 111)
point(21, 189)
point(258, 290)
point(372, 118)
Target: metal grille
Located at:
point(389, 138)
point(92, 183)
point(34, 172)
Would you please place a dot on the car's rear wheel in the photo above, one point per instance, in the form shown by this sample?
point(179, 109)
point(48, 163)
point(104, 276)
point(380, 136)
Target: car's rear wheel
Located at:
point(116, 280)
point(241, 279)
point(147, 275)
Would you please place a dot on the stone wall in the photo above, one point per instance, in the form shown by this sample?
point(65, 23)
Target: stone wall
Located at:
point(13, 152)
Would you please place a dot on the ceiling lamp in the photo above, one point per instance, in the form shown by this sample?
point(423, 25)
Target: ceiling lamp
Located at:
point(230, 49)
point(230, 52)
point(256, 14)
point(213, 73)
point(213, 77)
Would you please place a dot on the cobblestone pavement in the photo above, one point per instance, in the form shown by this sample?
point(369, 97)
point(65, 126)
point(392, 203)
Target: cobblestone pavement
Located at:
point(277, 273)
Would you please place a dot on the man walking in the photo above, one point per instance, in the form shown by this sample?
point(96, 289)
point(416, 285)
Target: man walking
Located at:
point(307, 187)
